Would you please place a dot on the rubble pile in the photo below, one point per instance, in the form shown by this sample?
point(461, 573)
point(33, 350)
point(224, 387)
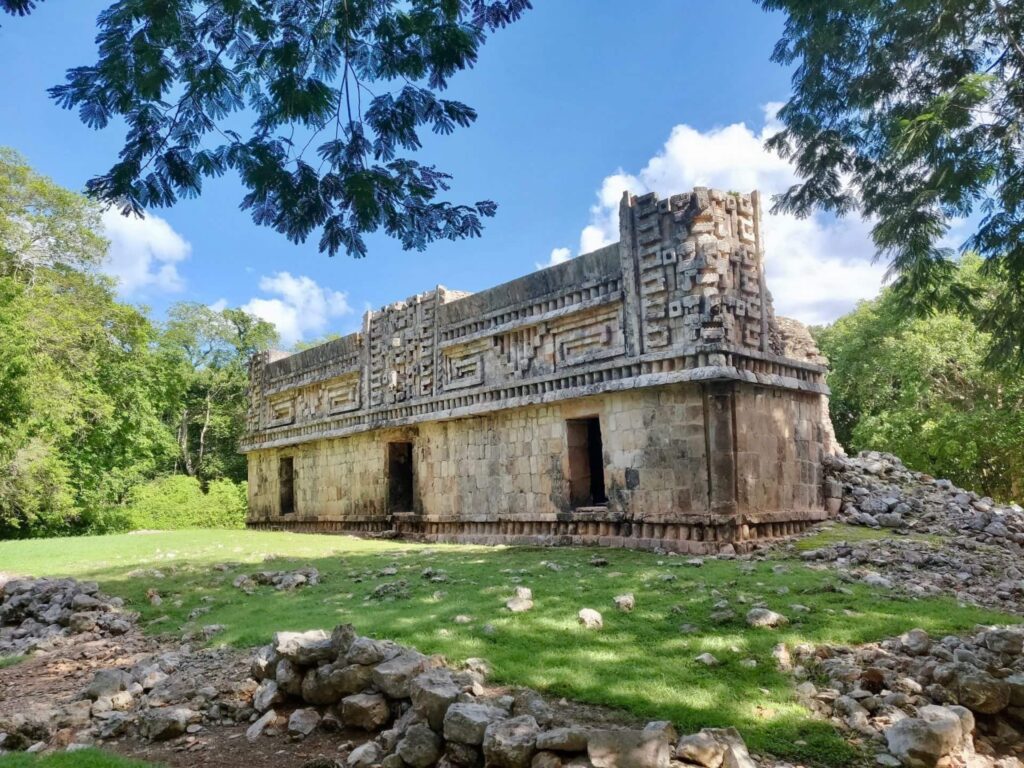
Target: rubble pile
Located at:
point(47, 613)
point(879, 491)
point(419, 713)
point(281, 580)
point(390, 705)
point(945, 541)
point(924, 700)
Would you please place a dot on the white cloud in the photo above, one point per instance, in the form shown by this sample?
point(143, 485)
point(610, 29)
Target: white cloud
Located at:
point(300, 308)
point(144, 253)
point(558, 256)
point(817, 268)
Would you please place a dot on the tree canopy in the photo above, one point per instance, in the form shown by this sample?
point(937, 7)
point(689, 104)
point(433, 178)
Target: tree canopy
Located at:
point(337, 91)
point(918, 387)
point(911, 113)
point(96, 400)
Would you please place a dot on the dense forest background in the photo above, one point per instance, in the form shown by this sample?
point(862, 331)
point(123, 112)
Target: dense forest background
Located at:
point(926, 388)
point(112, 421)
point(109, 421)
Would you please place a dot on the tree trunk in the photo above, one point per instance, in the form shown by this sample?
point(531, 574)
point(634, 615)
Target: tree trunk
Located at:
point(202, 432)
point(183, 442)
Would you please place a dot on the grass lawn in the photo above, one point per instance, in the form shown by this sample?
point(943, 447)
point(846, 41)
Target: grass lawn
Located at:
point(834, 533)
point(640, 661)
point(86, 758)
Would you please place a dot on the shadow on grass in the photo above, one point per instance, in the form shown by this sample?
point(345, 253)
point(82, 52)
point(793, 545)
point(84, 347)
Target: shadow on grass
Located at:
point(86, 758)
point(639, 661)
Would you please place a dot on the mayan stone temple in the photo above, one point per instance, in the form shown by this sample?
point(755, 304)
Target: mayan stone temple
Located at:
point(642, 395)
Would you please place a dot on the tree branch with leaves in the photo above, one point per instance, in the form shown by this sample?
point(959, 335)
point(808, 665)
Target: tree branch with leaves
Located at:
point(912, 114)
point(184, 76)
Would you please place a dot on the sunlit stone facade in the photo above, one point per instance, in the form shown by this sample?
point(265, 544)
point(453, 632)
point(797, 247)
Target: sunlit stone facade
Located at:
point(640, 395)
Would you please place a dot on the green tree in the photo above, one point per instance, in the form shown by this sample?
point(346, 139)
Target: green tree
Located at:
point(42, 224)
point(912, 113)
point(80, 386)
point(208, 351)
point(356, 80)
point(919, 388)
point(302, 344)
point(98, 407)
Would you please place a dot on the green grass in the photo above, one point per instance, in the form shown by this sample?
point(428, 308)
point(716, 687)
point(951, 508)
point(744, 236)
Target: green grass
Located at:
point(639, 661)
point(834, 533)
point(10, 661)
point(86, 758)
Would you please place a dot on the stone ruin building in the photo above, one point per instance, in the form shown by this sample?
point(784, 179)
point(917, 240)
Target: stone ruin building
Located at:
point(641, 395)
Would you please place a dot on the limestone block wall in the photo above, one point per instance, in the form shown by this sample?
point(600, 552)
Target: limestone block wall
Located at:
point(334, 480)
point(506, 477)
point(780, 444)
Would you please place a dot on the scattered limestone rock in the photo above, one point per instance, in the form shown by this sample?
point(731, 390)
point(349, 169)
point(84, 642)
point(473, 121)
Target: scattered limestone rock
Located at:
point(107, 682)
point(365, 755)
point(467, 723)
point(163, 723)
point(368, 711)
point(762, 618)
point(303, 722)
point(280, 580)
point(254, 731)
point(522, 601)
point(304, 648)
point(510, 743)
point(420, 747)
point(608, 748)
point(625, 603)
point(590, 619)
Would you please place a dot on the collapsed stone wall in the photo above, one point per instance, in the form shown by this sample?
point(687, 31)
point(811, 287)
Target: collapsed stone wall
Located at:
point(40, 614)
point(919, 701)
point(414, 711)
point(945, 540)
point(927, 699)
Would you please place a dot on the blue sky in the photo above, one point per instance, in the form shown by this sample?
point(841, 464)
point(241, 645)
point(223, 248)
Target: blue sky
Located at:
point(577, 101)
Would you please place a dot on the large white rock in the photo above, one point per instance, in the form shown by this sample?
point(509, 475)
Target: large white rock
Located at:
point(511, 743)
point(762, 618)
point(466, 722)
point(395, 677)
point(936, 733)
point(305, 648)
point(368, 711)
point(432, 693)
point(608, 748)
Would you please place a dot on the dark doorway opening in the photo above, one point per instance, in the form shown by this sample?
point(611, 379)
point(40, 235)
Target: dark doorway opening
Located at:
point(286, 481)
point(400, 477)
point(586, 462)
